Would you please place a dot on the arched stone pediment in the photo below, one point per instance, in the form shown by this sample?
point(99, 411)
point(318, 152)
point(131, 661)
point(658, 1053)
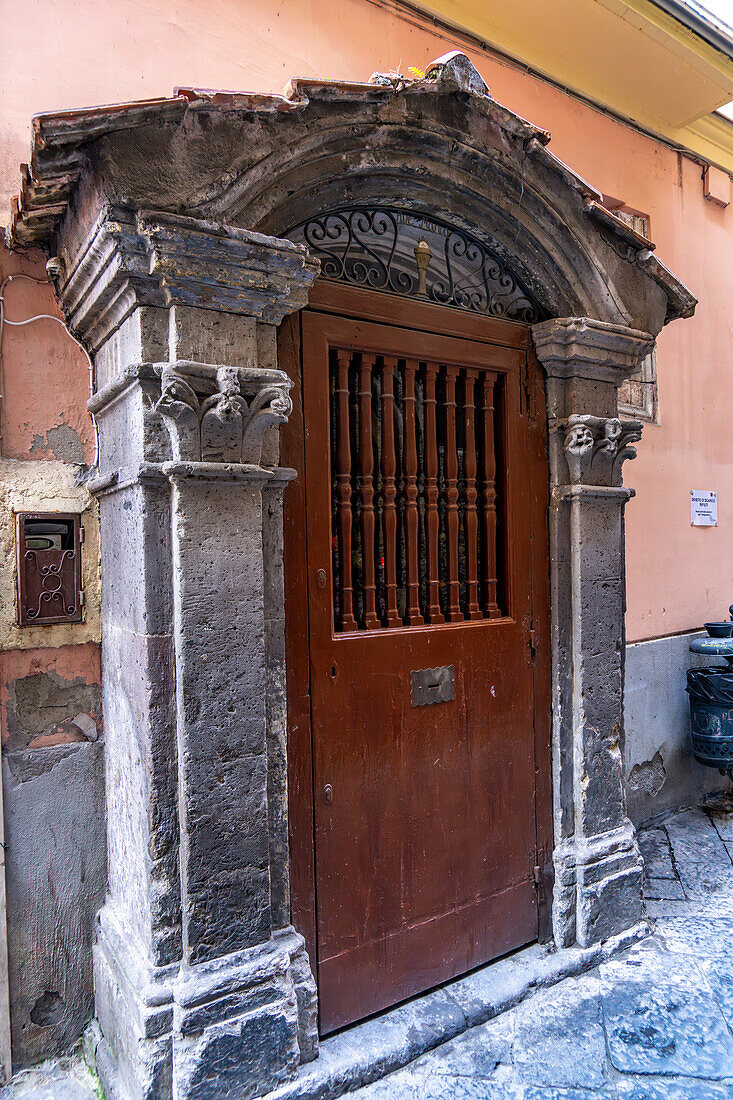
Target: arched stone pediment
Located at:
point(436, 147)
point(483, 170)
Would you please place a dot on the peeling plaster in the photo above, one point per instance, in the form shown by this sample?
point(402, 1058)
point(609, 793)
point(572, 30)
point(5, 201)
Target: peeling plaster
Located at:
point(46, 486)
point(45, 707)
point(62, 441)
point(649, 776)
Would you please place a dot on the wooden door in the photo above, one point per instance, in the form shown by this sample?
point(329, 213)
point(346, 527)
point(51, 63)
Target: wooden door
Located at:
point(414, 648)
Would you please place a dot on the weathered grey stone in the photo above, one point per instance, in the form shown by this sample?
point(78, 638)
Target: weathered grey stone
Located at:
point(199, 979)
point(551, 1024)
point(476, 1053)
point(657, 854)
point(706, 931)
point(235, 1025)
point(597, 864)
point(720, 812)
point(641, 1088)
point(162, 259)
point(454, 70)
point(366, 1052)
point(695, 841)
point(661, 772)
point(667, 908)
point(55, 870)
point(67, 1079)
point(554, 1093)
point(663, 889)
point(412, 1085)
point(664, 1019)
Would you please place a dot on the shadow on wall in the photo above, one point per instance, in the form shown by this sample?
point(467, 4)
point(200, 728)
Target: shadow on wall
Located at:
point(55, 881)
point(661, 772)
point(55, 843)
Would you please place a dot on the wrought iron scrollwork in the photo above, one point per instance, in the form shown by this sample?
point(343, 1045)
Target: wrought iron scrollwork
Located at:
point(402, 252)
point(52, 583)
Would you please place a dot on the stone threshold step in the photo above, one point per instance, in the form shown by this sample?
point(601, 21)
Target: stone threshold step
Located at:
point(369, 1051)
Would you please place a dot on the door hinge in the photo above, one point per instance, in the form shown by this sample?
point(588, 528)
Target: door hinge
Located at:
point(539, 856)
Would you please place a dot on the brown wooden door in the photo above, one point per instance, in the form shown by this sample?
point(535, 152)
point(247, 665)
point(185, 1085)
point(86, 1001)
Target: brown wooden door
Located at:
point(418, 500)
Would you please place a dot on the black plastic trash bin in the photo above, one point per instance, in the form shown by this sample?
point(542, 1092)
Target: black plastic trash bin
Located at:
point(711, 710)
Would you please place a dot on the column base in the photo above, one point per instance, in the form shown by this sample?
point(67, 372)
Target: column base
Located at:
point(239, 1025)
point(134, 1007)
point(598, 887)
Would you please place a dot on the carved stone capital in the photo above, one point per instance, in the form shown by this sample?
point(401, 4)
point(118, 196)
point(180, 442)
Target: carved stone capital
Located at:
point(221, 413)
point(134, 257)
point(596, 446)
point(578, 347)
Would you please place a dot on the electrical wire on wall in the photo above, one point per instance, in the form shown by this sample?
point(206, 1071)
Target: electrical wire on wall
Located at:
point(29, 321)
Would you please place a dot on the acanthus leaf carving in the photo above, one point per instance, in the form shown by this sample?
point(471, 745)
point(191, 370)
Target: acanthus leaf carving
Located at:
point(596, 447)
point(228, 425)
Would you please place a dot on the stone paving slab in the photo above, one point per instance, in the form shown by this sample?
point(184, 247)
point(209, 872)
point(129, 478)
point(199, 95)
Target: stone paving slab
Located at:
point(664, 889)
point(66, 1079)
point(657, 853)
point(661, 1017)
point(552, 1025)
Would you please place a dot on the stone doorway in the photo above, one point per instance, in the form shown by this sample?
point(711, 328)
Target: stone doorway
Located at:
point(169, 221)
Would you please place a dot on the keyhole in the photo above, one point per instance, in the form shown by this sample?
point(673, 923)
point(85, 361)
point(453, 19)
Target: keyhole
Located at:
point(332, 672)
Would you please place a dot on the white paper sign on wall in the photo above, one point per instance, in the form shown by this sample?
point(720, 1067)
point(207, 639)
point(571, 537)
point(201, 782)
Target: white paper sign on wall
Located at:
point(703, 507)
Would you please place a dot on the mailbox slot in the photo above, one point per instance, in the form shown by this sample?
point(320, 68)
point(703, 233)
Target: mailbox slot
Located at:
point(49, 568)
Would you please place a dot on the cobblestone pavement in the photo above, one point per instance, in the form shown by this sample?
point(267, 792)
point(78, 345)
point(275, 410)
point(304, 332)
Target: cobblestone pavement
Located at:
point(64, 1079)
point(651, 1024)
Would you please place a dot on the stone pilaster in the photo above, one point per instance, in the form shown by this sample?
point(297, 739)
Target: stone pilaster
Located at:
point(597, 863)
point(202, 986)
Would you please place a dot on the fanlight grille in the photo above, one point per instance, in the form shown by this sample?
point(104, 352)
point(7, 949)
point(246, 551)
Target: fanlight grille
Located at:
point(405, 253)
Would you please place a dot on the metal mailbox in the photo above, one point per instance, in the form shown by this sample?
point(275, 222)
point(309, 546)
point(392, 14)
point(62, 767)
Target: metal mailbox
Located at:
point(49, 568)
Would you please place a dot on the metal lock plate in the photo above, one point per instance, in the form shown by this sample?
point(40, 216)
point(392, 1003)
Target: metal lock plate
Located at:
point(432, 685)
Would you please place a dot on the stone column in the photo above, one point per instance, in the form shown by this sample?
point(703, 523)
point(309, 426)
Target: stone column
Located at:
point(597, 863)
point(202, 986)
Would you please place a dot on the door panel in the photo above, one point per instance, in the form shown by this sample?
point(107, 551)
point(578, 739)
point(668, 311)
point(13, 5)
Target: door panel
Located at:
point(418, 556)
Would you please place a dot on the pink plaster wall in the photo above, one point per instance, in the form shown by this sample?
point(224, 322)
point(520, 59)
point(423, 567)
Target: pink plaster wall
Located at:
point(44, 377)
point(84, 52)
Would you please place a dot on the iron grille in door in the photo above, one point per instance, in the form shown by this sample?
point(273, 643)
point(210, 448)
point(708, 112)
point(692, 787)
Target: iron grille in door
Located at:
point(415, 459)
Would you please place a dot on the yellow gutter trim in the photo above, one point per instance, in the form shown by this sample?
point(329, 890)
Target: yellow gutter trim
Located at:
point(708, 138)
point(712, 139)
point(672, 32)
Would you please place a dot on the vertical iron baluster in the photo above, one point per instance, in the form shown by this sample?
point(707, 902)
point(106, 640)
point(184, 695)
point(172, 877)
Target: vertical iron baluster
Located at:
point(435, 615)
point(412, 517)
point(343, 488)
point(455, 614)
point(471, 522)
point(366, 491)
point(389, 466)
point(489, 497)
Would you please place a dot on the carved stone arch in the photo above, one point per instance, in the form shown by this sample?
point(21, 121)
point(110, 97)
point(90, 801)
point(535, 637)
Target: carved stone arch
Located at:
point(169, 221)
point(487, 172)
